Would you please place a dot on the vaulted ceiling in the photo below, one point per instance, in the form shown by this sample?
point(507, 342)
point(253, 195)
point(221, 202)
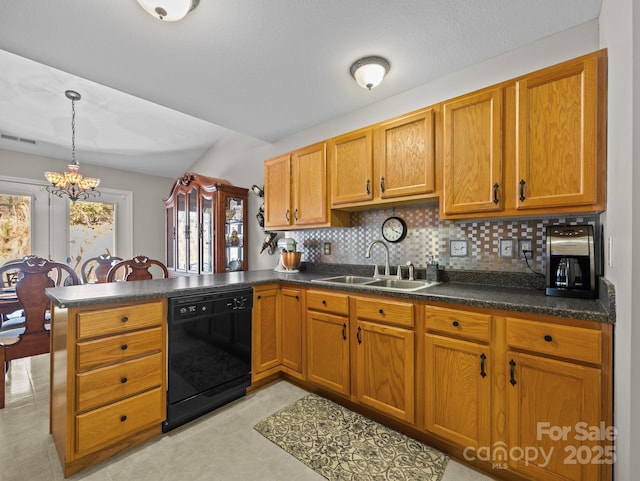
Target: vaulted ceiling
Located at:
point(157, 95)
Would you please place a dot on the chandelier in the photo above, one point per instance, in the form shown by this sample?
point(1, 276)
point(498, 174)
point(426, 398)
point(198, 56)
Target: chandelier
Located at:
point(72, 184)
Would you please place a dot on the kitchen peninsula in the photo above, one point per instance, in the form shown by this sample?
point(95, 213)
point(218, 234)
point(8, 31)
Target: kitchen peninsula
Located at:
point(416, 360)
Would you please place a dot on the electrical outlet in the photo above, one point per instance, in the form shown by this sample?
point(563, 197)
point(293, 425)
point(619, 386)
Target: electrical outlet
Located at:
point(327, 248)
point(505, 248)
point(525, 248)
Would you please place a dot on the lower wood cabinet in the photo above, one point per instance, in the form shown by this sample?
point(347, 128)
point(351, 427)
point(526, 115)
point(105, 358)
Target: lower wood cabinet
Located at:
point(328, 351)
point(385, 356)
point(457, 376)
point(108, 371)
point(277, 331)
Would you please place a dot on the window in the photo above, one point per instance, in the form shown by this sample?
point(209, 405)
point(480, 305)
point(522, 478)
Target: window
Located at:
point(15, 227)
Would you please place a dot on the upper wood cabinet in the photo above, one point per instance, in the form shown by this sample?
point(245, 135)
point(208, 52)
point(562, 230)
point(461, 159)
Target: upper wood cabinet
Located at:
point(559, 130)
point(296, 191)
point(351, 165)
point(472, 153)
point(534, 145)
point(390, 162)
point(205, 222)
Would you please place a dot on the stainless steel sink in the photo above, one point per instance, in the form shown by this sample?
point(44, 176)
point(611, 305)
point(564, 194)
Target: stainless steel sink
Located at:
point(401, 284)
point(378, 283)
point(347, 279)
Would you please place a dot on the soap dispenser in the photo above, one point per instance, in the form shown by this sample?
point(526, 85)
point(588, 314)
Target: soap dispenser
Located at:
point(433, 274)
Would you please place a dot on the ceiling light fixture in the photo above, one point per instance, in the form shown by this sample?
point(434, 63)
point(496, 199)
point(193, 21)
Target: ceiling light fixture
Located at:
point(72, 184)
point(369, 71)
point(168, 10)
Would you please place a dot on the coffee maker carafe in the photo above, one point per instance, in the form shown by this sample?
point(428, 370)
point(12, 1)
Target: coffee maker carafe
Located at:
point(570, 261)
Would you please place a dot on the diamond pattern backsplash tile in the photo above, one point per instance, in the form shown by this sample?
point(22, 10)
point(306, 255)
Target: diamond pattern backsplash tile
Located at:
point(428, 236)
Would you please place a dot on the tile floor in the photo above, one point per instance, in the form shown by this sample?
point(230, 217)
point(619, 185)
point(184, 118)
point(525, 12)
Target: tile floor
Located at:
point(220, 446)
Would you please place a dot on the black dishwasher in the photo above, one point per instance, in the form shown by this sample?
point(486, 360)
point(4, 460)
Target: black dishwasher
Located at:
point(209, 352)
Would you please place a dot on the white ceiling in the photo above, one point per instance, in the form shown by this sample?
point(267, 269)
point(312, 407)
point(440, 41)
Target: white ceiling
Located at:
point(157, 95)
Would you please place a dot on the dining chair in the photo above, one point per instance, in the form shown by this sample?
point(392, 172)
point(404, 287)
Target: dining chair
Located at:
point(31, 337)
point(98, 268)
point(138, 268)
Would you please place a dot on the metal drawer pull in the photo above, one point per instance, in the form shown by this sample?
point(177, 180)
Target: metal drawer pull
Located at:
point(286, 215)
point(548, 338)
point(124, 319)
point(455, 323)
point(344, 331)
point(368, 187)
point(124, 347)
point(324, 303)
point(380, 311)
point(512, 372)
point(123, 380)
point(496, 186)
point(483, 358)
point(359, 335)
point(123, 418)
point(382, 184)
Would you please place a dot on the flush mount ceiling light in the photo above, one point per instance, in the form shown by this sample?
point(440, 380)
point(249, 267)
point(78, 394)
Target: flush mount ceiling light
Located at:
point(72, 184)
point(168, 10)
point(369, 71)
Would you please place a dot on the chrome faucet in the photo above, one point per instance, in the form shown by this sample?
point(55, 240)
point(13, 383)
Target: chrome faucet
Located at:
point(387, 269)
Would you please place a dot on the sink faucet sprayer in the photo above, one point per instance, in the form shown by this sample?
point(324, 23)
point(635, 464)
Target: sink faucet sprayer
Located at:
point(387, 269)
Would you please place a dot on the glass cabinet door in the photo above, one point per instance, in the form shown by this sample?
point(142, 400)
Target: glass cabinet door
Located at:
point(194, 231)
point(207, 234)
point(234, 233)
point(182, 233)
point(171, 237)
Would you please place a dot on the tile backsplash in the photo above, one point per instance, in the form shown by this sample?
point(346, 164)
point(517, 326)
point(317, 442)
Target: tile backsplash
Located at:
point(428, 235)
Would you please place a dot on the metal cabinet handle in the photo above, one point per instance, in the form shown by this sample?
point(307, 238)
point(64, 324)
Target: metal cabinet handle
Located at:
point(123, 380)
point(381, 311)
point(455, 323)
point(483, 358)
point(124, 319)
point(548, 338)
point(368, 186)
point(124, 347)
point(382, 184)
point(324, 303)
point(123, 418)
point(344, 331)
point(512, 372)
point(359, 335)
point(522, 183)
point(295, 215)
point(286, 215)
point(496, 186)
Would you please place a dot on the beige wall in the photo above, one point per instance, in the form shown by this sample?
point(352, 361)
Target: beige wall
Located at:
point(148, 191)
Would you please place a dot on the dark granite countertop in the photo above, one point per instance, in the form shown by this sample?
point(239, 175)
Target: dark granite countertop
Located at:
point(518, 299)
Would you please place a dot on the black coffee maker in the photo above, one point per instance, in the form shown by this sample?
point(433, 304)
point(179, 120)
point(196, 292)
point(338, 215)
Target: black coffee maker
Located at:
point(571, 261)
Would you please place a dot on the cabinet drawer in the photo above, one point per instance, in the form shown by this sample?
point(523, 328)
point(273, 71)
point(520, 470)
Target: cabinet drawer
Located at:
point(395, 312)
point(470, 325)
point(328, 302)
point(570, 342)
point(112, 349)
point(120, 319)
point(111, 423)
point(107, 384)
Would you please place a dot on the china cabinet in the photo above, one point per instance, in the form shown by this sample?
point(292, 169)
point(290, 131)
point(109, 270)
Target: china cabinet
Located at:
point(205, 222)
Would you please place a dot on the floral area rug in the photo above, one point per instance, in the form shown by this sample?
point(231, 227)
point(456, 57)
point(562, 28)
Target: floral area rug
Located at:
point(344, 446)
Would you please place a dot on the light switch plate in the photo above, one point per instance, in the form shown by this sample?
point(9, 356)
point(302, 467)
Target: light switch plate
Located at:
point(506, 248)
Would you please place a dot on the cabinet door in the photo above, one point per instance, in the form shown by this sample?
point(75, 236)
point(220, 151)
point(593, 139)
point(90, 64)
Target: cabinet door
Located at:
point(385, 369)
point(351, 165)
point(548, 402)
point(207, 230)
point(266, 348)
point(472, 151)
point(457, 390)
point(277, 193)
point(405, 156)
point(292, 329)
point(557, 136)
point(309, 178)
point(328, 351)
